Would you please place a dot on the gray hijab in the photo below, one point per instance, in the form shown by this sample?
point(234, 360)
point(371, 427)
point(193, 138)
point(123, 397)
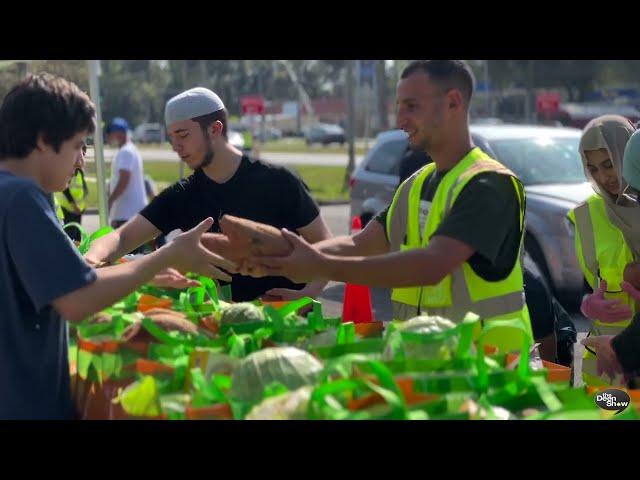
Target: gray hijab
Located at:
point(612, 132)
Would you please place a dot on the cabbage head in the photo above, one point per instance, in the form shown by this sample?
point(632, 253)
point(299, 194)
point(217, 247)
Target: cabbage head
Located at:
point(288, 406)
point(289, 366)
point(244, 312)
point(425, 326)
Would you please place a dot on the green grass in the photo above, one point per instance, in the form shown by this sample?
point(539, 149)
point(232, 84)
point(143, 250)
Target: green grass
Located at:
point(298, 145)
point(325, 182)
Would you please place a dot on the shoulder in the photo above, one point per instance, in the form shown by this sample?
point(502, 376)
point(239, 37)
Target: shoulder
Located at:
point(22, 190)
point(186, 185)
point(492, 181)
point(129, 150)
point(594, 200)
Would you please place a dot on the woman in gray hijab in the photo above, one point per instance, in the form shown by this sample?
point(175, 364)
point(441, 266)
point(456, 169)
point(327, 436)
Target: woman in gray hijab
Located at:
point(621, 353)
point(603, 222)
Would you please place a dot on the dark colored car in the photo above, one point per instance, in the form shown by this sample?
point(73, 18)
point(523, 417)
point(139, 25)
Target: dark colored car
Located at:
point(325, 134)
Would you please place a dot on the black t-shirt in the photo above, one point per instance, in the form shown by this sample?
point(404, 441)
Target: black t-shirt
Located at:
point(411, 162)
point(485, 216)
point(257, 191)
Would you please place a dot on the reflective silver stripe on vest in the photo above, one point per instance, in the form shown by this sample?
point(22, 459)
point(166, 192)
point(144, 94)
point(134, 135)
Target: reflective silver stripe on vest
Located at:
point(487, 308)
point(587, 241)
point(398, 225)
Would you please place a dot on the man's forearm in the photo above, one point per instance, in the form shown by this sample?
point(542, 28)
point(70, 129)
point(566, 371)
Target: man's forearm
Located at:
point(345, 246)
point(115, 194)
point(114, 283)
point(107, 249)
point(394, 270)
point(316, 287)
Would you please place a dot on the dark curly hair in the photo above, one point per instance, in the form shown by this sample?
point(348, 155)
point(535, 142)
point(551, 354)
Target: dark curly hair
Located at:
point(43, 105)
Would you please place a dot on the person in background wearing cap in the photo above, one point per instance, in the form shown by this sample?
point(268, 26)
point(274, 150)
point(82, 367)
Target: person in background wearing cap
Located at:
point(600, 245)
point(127, 190)
point(224, 181)
point(619, 353)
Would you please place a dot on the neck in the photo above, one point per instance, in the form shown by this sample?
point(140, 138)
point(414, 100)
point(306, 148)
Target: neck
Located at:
point(23, 167)
point(226, 160)
point(450, 152)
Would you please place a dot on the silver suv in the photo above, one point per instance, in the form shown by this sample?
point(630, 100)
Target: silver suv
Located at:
point(547, 161)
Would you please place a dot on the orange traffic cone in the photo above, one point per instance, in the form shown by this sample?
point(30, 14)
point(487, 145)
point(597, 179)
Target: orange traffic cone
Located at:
point(356, 306)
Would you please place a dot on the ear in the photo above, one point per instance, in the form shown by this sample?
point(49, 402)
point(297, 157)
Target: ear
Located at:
point(454, 99)
point(41, 144)
point(215, 128)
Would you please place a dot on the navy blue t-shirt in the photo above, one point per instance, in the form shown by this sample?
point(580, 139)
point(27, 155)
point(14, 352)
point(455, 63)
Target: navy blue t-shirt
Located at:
point(38, 263)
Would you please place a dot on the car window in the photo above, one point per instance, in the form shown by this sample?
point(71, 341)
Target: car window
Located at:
point(541, 160)
point(386, 157)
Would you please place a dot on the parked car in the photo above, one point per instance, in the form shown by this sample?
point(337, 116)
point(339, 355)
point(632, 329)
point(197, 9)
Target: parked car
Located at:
point(270, 133)
point(148, 133)
point(545, 159)
point(325, 133)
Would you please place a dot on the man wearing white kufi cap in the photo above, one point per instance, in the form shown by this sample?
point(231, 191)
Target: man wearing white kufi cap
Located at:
point(224, 181)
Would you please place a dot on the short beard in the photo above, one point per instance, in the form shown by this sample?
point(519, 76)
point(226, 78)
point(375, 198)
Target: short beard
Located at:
point(208, 157)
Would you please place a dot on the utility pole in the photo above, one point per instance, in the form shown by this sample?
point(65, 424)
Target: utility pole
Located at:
point(486, 83)
point(183, 71)
point(98, 145)
point(351, 122)
point(203, 72)
point(529, 112)
point(381, 82)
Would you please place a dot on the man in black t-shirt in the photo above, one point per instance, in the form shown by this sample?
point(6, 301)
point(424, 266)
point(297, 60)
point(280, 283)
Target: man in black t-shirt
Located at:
point(224, 182)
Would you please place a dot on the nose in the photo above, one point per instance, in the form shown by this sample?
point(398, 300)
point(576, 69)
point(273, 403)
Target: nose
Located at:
point(400, 120)
point(80, 161)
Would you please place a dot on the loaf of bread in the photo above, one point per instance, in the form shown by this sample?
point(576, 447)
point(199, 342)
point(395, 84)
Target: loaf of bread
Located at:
point(253, 238)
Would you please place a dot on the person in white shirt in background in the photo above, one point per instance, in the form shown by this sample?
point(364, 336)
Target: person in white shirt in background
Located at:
point(127, 193)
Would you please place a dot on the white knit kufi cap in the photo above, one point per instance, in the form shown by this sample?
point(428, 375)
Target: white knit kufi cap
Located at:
point(191, 104)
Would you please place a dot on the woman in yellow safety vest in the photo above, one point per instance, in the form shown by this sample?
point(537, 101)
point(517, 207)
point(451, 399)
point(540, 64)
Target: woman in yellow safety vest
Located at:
point(600, 245)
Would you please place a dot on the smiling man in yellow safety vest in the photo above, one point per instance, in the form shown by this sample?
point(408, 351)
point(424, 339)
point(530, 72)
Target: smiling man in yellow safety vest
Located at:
point(450, 241)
